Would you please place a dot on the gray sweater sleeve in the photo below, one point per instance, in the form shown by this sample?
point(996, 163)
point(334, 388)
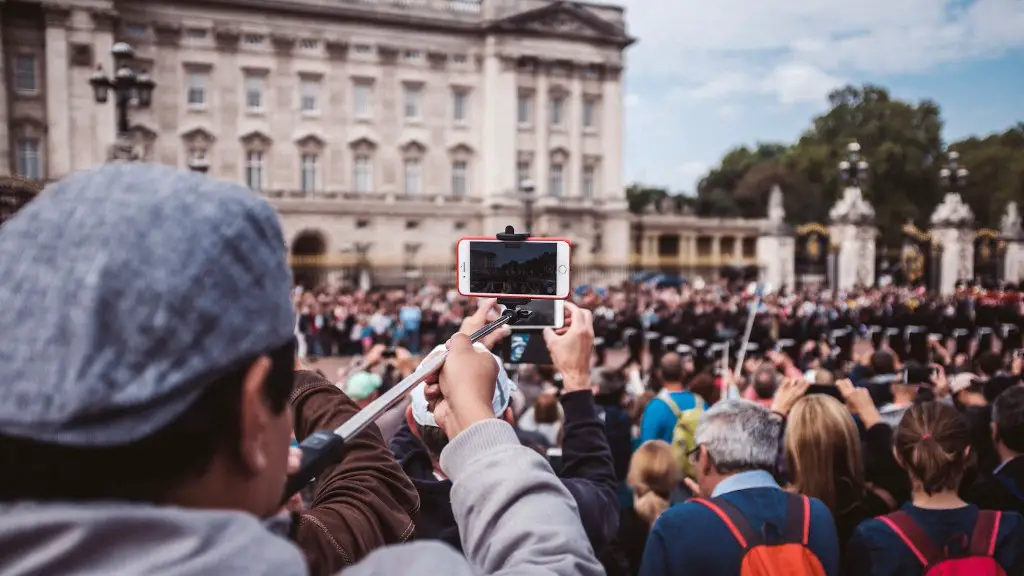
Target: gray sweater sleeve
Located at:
point(515, 516)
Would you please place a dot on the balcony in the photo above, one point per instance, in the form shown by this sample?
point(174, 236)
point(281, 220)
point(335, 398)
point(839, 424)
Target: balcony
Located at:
point(471, 8)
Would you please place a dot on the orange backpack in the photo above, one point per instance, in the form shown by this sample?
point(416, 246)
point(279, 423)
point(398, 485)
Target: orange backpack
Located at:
point(790, 557)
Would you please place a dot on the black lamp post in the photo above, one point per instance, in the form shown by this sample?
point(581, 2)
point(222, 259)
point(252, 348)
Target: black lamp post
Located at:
point(953, 176)
point(130, 88)
point(526, 188)
point(854, 169)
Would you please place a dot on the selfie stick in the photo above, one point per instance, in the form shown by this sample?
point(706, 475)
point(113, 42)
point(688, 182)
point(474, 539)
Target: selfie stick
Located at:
point(324, 448)
point(742, 353)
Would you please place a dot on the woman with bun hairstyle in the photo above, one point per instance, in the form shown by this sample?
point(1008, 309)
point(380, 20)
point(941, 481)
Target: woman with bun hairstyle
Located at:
point(937, 527)
point(653, 476)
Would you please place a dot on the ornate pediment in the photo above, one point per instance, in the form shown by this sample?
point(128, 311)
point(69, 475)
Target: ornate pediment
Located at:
point(255, 136)
point(144, 132)
point(565, 19)
point(197, 134)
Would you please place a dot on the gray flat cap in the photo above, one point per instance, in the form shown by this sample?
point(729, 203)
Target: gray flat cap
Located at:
point(122, 290)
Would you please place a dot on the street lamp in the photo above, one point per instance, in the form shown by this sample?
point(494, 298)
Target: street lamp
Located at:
point(129, 87)
point(854, 169)
point(952, 175)
point(526, 188)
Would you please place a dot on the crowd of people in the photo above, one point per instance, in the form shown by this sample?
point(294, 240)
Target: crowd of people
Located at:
point(161, 362)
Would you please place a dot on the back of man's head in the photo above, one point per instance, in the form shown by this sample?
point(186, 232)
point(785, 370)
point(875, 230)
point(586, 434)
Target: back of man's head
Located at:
point(142, 299)
point(1008, 418)
point(989, 364)
point(671, 368)
point(766, 381)
point(883, 362)
point(739, 435)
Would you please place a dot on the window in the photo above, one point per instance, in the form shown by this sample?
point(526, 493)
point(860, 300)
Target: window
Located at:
point(412, 176)
point(254, 39)
point(29, 162)
point(197, 89)
point(411, 224)
point(362, 48)
point(459, 184)
point(588, 182)
point(459, 59)
point(556, 180)
point(254, 93)
point(362, 99)
point(412, 101)
point(254, 170)
point(557, 106)
point(460, 105)
point(195, 33)
point(308, 91)
point(590, 72)
point(525, 107)
point(308, 170)
point(25, 78)
point(363, 176)
point(412, 55)
point(309, 44)
point(588, 113)
point(135, 30)
point(522, 172)
point(362, 223)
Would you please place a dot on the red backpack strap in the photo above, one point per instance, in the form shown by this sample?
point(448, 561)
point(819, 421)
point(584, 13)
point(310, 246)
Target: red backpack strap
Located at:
point(986, 531)
point(733, 520)
point(913, 536)
point(798, 518)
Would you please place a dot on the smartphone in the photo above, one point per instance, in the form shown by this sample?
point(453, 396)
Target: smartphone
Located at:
point(524, 347)
point(536, 269)
point(544, 314)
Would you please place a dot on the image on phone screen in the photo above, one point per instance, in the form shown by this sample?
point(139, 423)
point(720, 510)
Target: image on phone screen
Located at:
point(534, 269)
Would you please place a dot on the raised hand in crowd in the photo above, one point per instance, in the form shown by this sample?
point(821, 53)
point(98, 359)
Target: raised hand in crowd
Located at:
point(571, 347)
point(791, 390)
point(486, 311)
point(465, 387)
point(859, 402)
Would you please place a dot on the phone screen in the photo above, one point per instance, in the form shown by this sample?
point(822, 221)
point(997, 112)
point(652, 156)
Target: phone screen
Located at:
point(544, 314)
point(528, 268)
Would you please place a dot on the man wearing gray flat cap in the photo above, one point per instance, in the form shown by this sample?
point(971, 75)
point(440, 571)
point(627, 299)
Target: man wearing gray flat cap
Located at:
point(147, 387)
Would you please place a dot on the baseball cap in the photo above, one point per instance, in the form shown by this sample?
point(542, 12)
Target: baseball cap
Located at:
point(503, 389)
point(127, 291)
point(361, 385)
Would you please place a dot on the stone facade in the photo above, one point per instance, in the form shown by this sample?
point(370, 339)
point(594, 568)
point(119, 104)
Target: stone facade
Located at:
point(384, 129)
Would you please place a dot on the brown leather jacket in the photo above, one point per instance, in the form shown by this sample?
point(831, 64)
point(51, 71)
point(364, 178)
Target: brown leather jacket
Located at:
point(360, 504)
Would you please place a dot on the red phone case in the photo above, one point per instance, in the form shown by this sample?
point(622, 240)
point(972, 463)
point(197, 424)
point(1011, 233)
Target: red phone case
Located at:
point(532, 239)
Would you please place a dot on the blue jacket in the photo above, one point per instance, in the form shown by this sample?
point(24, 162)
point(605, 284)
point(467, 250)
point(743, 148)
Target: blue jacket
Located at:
point(877, 551)
point(691, 539)
point(587, 471)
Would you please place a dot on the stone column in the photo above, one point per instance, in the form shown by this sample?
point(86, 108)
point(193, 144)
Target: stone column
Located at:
point(281, 92)
point(716, 249)
point(58, 132)
point(575, 125)
point(542, 150)
point(737, 249)
point(102, 42)
point(952, 223)
point(499, 130)
point(611, 136)
point(776, 251)
point(850, 230)
point(5, 125)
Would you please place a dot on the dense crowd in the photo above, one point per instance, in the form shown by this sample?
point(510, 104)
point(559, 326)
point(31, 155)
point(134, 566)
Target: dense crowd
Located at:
point(145, 430)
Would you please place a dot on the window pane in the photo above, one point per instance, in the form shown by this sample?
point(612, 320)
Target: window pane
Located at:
point(412, 176)
point(29, 164)
point(254, 93)
point(308, 90)
point(556, 180)
point(362, 99)
point(363, 174)
point(25, 73)
point(459, 105)
point(556, 111)
point(308, 169)
point(524, 108)
point(254, 170)
point(522, 172)
point(588, 113)
point(588, 181)
point(459, 187)
point(196, 89)
point(412, 102)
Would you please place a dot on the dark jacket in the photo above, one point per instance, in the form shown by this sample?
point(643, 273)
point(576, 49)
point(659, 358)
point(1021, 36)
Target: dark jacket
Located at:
point(587, 471)
point(1002, 491)
point(362, 503)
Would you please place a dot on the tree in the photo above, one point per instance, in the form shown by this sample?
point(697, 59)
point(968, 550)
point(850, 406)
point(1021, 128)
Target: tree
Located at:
point(640, 197)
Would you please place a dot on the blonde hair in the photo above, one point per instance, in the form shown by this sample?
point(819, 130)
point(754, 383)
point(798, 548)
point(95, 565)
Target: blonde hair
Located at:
point(653, 474)
point(822, 448)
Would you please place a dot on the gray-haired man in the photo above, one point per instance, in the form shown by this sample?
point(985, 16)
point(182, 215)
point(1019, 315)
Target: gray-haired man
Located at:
point(736, 446)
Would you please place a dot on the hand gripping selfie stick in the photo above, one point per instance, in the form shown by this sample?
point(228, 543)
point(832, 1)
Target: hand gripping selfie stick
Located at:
point(324, 448)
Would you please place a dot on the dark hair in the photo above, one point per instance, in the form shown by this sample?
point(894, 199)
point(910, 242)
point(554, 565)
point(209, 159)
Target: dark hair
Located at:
point(545, 409)
point(704, 385)
point(765, 383)
point(1008, 416)
point(882, 362)
point(434, 440)
point(990, 363)
point(931, 441)
point(671, 368)
point(146, 470)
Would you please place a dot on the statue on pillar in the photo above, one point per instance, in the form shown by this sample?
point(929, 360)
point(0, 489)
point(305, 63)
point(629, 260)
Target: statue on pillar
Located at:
point(852, 208)
point(953, 212)
point(1010, 223)
point(776, 211)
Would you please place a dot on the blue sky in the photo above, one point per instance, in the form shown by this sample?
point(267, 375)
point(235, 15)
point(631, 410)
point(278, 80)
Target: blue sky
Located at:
point(709, 75)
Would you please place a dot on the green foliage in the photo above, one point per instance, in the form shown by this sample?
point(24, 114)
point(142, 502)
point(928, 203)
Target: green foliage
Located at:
point(901, 141)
